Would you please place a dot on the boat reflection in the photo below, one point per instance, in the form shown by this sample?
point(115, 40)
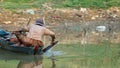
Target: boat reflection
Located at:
point(25, 61)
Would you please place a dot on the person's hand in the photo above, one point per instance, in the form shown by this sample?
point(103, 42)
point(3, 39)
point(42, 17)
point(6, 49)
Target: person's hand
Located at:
point(13, 32)
point(53, 39)
point(52, 42)
point(21, 29)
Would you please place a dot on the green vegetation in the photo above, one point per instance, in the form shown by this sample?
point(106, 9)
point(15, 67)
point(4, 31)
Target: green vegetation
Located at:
point(91, 3)
point(13, 4)
point(18, 1)
point(17, 4)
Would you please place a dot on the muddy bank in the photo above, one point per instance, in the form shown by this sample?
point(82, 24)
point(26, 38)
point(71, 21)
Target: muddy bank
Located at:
point(69, 24)
point(56, 15)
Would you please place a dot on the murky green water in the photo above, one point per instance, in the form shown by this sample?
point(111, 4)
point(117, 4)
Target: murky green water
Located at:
point(60, 63)
point(69, 60)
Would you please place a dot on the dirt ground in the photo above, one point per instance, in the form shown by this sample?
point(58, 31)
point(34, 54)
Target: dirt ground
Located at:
point(14, 19)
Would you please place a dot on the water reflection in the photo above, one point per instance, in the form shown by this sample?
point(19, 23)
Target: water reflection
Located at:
point(25, 61)
point(53, 61)
point(36, 63)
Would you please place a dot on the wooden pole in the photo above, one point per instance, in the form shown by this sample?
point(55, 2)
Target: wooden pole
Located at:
point(44, 36)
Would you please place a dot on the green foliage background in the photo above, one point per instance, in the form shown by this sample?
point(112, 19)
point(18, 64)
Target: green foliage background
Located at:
point(60, 3)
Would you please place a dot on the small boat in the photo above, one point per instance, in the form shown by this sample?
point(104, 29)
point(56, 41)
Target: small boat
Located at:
point(7, 45)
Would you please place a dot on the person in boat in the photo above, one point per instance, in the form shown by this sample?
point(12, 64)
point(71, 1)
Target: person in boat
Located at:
point(34, 35)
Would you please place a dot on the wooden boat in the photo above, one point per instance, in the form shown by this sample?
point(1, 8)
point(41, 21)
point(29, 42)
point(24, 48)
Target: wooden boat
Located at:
point(22, 49)
point(7, 45)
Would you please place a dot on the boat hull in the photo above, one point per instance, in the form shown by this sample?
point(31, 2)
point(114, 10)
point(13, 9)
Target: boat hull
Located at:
point(20, 49)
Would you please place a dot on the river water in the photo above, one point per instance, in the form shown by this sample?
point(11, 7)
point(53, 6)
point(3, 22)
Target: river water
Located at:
point(55, 59)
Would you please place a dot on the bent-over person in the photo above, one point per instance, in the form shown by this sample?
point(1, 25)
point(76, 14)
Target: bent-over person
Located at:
point(34, 36)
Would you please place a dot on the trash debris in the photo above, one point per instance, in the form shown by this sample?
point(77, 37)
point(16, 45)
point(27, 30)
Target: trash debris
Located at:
point(7, 22)
point(30, 11)
point(101, 28)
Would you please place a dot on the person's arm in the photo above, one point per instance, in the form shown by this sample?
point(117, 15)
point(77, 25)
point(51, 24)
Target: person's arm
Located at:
point(25, 29)
point(53, 39)
point(50, 33)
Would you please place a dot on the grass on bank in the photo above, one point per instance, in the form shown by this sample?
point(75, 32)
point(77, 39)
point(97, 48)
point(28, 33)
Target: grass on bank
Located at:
point(21, 4)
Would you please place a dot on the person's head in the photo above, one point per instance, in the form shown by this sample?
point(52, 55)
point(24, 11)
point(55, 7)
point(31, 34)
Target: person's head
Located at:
point(39, 22)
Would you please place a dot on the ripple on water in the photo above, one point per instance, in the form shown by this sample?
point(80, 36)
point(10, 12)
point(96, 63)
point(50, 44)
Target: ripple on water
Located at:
point(55, 53)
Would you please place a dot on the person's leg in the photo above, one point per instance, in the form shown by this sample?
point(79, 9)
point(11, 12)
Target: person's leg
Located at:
point(14, 40)
point(21, 39)
point(36, 49)
point(37, 44)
